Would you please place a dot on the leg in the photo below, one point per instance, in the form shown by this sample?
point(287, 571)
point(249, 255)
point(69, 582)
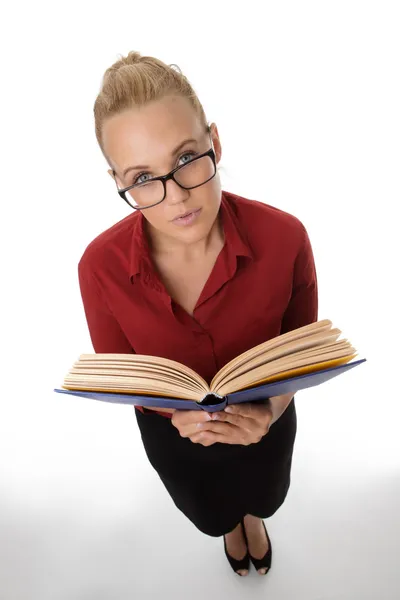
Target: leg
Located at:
point(236, 545)
point(257, 540)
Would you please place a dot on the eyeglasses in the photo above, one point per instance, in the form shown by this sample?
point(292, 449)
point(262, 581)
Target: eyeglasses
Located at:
point(192, 174)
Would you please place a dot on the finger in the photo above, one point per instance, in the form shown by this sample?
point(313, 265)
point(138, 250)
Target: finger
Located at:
point(249, 423)
point(250, 410)
point(206, 438)
point(258, 420)
point(192, 428)
point(198, 415)
point(203, 440)
point(215, 426)
point(187, 429)
point(181, 418)
point(245, 409)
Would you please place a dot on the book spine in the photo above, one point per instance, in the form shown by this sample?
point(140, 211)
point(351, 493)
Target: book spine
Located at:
point(211, 394)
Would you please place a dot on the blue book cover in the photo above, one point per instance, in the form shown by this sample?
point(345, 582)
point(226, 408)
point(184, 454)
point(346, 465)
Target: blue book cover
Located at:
point(213, 402)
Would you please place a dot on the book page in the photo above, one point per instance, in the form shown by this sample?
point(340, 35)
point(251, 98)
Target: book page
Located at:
point(283, 357)
point(262, 349)
point(144, 369)
point(104, 360)
point(254, 376)
point(304, 370)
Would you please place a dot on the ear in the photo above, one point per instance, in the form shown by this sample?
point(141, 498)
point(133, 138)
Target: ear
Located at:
point(216, 142)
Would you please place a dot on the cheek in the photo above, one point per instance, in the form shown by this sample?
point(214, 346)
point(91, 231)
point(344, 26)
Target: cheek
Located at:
point(157, 217)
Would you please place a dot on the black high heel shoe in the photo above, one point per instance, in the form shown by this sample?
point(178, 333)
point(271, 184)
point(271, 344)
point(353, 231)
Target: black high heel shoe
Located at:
point(243, 563)
point(265, 561)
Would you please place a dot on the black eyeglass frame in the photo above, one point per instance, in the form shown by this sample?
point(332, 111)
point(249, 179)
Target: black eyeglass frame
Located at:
point(165, 178)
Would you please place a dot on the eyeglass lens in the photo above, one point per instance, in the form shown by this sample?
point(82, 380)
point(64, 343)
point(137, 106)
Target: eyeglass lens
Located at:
point(193, 174)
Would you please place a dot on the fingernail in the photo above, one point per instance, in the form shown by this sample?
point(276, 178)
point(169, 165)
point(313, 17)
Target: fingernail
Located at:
point(228, 409)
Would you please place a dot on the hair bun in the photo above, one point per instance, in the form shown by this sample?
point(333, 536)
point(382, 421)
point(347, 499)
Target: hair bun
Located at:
point(135, 80)
point(132, 58)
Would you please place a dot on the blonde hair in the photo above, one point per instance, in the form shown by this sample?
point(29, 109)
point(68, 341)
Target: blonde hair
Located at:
point(135, 80)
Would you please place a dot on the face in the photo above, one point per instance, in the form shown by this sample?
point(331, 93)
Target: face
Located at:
point(147, 136)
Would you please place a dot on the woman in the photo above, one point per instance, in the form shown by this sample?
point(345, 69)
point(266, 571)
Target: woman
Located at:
point(198, 275)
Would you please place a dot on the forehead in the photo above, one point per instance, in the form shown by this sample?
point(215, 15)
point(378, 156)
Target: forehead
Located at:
point(150, 132)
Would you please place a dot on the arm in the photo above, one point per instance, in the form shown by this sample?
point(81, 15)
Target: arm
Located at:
point(301, 310)
point(104, 329)
point(303, 305)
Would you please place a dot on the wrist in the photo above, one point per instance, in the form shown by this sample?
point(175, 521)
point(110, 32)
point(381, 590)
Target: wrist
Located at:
point(278, 405)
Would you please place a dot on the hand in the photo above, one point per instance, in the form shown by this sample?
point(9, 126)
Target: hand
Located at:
point(243, 424)
point(187, 422)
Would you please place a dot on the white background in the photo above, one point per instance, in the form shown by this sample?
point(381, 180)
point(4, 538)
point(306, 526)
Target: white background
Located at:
point(306, 99)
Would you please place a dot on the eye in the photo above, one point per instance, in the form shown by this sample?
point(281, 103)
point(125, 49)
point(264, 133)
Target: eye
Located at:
point(137, 178)
point(188, 154)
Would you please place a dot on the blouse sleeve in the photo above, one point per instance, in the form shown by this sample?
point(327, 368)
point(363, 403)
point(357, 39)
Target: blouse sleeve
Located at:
point(105, 331)
point(303, 305)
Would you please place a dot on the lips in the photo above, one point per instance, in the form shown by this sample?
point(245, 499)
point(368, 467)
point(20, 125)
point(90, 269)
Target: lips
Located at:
point(189, 212)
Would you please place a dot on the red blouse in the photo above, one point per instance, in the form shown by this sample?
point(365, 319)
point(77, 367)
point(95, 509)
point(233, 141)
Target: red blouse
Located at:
point(263, 284)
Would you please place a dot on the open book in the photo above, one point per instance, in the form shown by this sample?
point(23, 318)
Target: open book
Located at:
point(295, 360)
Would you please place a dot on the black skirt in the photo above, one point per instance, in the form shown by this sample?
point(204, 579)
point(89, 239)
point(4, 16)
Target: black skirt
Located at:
point(215, 486)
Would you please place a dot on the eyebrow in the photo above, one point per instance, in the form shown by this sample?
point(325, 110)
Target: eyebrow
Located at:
point(191, 140)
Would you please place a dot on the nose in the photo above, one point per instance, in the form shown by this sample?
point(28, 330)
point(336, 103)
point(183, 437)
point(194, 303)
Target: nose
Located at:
point(174, 193)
